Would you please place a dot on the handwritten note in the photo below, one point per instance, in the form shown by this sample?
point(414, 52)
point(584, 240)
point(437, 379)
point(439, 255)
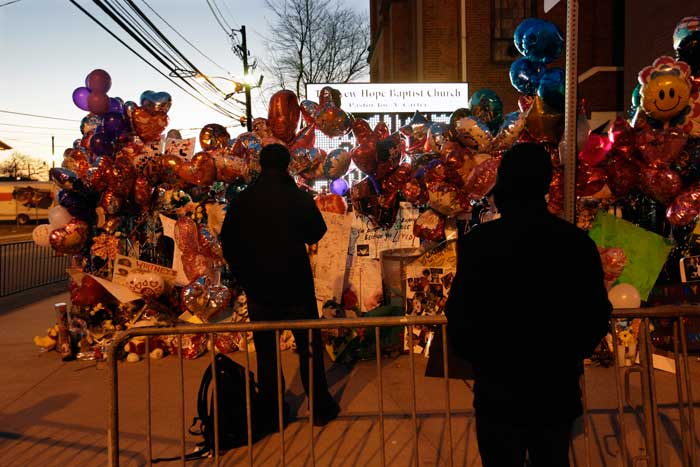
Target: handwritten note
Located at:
point(169, 231)
point(369, 240)
point(329, 261)
point(180, 147)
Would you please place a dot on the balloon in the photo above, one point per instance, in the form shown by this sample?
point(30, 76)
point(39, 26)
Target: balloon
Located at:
point(415, 192)
point(665, 88)
point(336, 164)
point(622, 136)
point(248, 147)
point(77, 205)
point(685, 28)
point(555, 199)
point(305, 138)
point(362, 131)
point(80, 98)
point(65, 178)
point(309, 110)
point(689, 51)
point(129, 107)
point(213, 136)
point(508, 134)
point(209, 244)
point(327, 95)
point(446, 199)
point(203, 299)
point(542, 41)
point(487, 107)
point(339, 187)
point(88, 293)
point(147, 125)
point(71, 238)
point(416, 130)
point(332, 120)
point(143, 191)
point(525, 76)
point(436, 137)
point(261, 128)
point(40, 235)
point(116, 104)
point(98, 81)
point(98, 103)
point(483, 177)
point(519, 33)
point(430, 226)
point(381, 130)
point(388, 155)
point(551, 88)
point(111, 202)
point(660, 184)
point(660, 148)
point(685, 207)
point(590, 180)
point(196, 265)
point(544, 123)
point(232, 169)
point(90, 123)
point(623, 175)
point(186, 235)
point(114, 124)
point(200, 171)
point(473, 134)
point(365, 157)
point(334, 203)
point(101, 145)
point(283, 114)
point(152, 101)
point(302, 159)
point(624, 296)
point(595, 150)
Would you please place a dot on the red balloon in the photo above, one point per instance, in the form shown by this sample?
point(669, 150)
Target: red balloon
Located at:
point(98, 81)
point(660, 148)
point(305, 138)
point(186, 235)
point(555, 200)
point(200, 171)
point(143, 191)
point(590, 180)
point(362, 131)
point(415, 192)
point(483, 177)
point(381, 130)
point(283, 115)
point(623, 174)
point(88, 293)
point(332, 203)
point(622, 137)
point(98, 103)
point(661, 184)
point(595, 150)
point(685, 207)
point(365, 157)
point(71, 238)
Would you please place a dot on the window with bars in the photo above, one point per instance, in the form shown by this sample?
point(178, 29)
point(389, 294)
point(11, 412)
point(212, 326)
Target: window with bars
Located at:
point(505, 17)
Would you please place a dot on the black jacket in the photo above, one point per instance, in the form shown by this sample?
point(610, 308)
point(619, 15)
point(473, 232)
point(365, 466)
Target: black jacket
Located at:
point(264, 238)
point(527, 305)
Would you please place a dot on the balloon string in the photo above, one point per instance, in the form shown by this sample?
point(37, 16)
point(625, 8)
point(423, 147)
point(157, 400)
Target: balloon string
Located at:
point(374, 183)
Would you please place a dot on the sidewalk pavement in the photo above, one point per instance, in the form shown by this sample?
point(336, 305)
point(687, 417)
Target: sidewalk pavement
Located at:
point(55, 413)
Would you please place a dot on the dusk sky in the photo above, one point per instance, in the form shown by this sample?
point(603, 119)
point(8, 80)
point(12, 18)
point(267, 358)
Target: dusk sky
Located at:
point(49, 46)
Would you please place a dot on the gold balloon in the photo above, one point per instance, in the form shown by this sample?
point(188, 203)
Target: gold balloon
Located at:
point(544, 123)
point(213, 136)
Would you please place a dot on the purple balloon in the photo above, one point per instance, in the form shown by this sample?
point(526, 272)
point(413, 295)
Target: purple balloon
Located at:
point(101, 144)
point(98, 81)
point(116, 104)
point(339, 187)
point(113, 124)
point(80, 97)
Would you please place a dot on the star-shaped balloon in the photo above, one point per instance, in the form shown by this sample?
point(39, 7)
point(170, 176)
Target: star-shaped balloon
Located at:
point(416, 131)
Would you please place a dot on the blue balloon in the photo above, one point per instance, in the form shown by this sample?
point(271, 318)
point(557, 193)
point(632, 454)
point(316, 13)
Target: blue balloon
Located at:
point(487, 107)
point(520, 31)
point(526, 75)
point(339, 187)
point(90, 122)
point(542, 42)
point(551, 88)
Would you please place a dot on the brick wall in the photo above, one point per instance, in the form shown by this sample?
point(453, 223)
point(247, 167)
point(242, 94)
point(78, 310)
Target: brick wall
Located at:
point(441, 60)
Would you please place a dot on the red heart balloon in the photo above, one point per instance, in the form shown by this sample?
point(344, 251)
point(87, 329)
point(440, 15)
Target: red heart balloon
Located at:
point(685, 207)
point(231, 169)
point(660, 148)
point(661, 184)
point(305, 139)
point(283, 114)
point(365, 157)
point(88, 293)
point(186, 235)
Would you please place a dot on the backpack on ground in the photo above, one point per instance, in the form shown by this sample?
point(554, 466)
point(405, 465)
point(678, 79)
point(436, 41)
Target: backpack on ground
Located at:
point(232, 417)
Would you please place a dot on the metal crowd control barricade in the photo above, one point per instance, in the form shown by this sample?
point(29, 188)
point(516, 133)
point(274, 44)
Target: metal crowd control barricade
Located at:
point(24, 265)
point(652, 435)
point(277, 326)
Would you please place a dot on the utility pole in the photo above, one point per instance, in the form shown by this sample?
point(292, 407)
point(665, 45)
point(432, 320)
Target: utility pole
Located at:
point(244, 52)
point(53, 153)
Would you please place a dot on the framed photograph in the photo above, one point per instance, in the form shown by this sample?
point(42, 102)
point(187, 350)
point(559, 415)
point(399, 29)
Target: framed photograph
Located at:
point(690, 269)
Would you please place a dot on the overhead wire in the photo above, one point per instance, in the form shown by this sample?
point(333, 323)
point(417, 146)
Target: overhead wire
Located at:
point(38, 127)
point(185, 39)
point(232, 15)
point(199, 98)
point(227, 30)
point(38, 116)
point(179, 62)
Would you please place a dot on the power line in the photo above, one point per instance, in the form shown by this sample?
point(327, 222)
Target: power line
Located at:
point(131, 49)
point(185, 39)
point(39, 127)
point(9, 3)
point(232, 15)
point(38, 116)
point(226, 30)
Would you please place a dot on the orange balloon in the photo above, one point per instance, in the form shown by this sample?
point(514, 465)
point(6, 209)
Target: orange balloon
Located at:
point(332, 203)
point(200, 171)
point(543, 123)
point(283, 114)
point(147, 125)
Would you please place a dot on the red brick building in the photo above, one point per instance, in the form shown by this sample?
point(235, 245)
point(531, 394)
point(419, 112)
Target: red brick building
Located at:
point(471, 40)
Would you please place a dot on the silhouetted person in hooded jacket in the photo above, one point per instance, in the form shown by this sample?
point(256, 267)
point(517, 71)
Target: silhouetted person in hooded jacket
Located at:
point(527, 305)
point(264, 239)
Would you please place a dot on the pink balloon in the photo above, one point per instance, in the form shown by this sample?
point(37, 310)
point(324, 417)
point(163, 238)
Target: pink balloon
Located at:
point(187, 235)
point(595, 150)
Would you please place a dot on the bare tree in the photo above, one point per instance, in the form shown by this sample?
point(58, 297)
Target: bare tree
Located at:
point(23, 167)
point(315, 41)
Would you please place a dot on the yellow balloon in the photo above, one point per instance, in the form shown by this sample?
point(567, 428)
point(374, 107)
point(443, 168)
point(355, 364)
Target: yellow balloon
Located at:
point(624, 296)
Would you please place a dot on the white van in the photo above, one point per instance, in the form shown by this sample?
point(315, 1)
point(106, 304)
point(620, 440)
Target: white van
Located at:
point(24, 201)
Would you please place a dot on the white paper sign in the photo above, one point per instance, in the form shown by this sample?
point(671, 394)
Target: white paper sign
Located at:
point(180, 147)
point(329, 260)
point(169, 231)
point(369, 240)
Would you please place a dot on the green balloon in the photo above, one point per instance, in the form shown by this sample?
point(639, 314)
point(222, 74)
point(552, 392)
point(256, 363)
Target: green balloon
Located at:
point(487, 107)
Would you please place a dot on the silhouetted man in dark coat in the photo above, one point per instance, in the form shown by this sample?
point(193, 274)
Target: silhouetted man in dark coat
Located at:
point(264, 238)
point(528, 304)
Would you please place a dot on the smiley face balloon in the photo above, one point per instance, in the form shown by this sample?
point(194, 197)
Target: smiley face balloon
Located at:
point(665, 88)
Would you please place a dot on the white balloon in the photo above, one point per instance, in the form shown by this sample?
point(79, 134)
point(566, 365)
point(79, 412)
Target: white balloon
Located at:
point(40, 235)
point(59, 217)
point(624, 296)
